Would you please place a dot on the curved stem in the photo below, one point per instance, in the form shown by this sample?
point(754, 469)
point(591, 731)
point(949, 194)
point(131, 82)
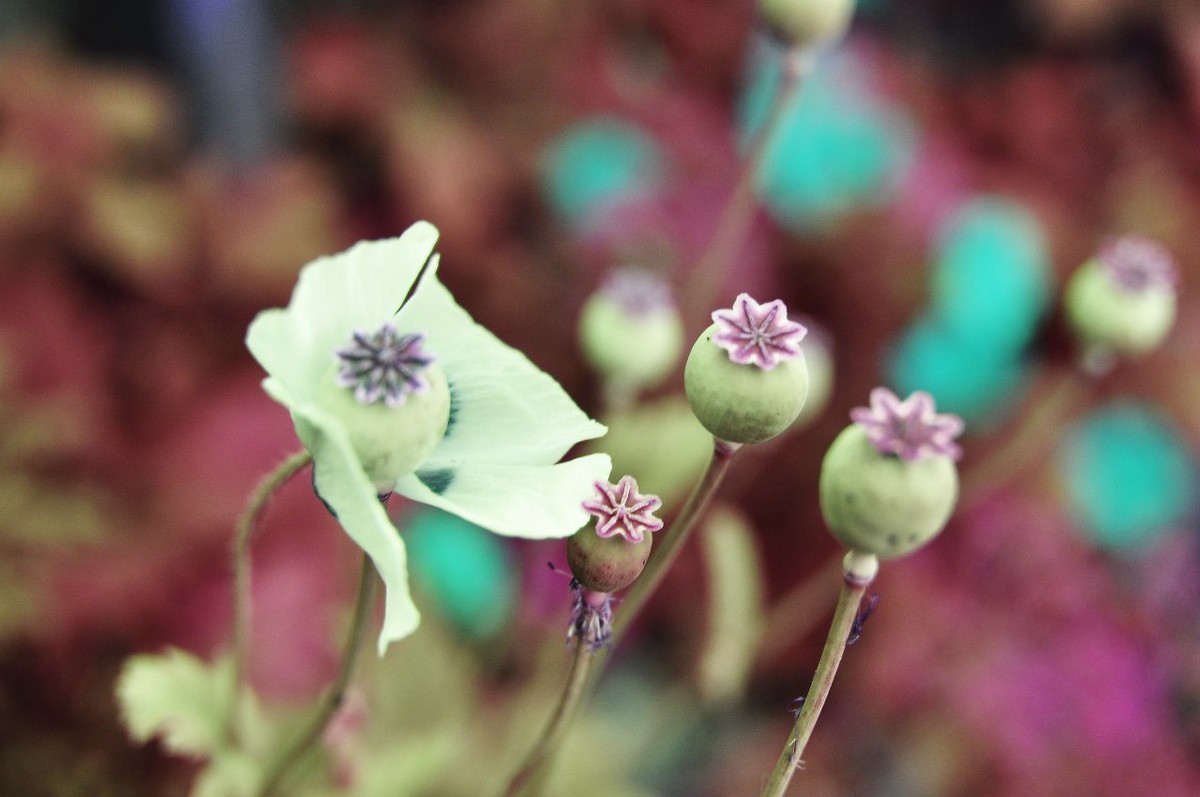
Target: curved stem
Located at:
point(1029, 441)
point(531, 777)
point(243, 532)
point(704, 281)
point(337, 692)
point(795, 615)
point(853, 589)
point(672, 540)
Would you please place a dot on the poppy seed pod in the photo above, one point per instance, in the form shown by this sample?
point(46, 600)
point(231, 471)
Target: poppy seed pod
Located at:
point(1123, 300)
point(888, 482)
point(804, 23)
point(746, 379)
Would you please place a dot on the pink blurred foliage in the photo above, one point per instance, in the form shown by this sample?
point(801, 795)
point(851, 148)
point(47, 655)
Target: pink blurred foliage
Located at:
point(1015, 633)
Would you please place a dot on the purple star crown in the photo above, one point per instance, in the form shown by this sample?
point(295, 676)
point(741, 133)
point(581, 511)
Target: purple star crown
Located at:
point(1138, 264)
point(757, 334)
point(383, 366)
point(621, 509)
point(909, 429)
point(638, 291)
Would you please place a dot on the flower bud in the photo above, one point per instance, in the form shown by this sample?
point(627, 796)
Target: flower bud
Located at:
point(888, 483)
point(610, 555)
point(804, 23)
point(606, 564)
point(630, 330)
point(745, 377)
point(1123, 300)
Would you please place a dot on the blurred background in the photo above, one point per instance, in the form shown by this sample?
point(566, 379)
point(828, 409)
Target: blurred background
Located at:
point(167, 166)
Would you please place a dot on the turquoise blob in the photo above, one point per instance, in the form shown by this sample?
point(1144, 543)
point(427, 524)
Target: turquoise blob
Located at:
point(837, 146)
point(463, 569)
point(595, 163)
point(979, 385)
point(1128, 475)
point(991, 281)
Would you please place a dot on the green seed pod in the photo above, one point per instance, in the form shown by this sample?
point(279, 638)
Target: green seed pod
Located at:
point(743, 403)
point(804, 23)
point(1106, 315)
point(391, 441)
point(606, 564)
point(630, 345)
point(881, 503)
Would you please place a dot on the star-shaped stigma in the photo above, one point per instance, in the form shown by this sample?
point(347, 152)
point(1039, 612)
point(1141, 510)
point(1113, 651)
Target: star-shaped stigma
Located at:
point(758, 334)
point(1137, 264)
point(638, 291)
point(621, 509)
point(383, 365)
point(908, 429)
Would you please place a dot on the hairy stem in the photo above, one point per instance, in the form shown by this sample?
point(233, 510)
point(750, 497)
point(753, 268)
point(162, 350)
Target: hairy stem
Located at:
point(531, 777)
point(853, 589)
point(273, 780)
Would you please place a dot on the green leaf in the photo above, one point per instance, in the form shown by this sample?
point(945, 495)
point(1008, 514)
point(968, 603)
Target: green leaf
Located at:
point(178, 699)
point(736, 605)
point(231, 774)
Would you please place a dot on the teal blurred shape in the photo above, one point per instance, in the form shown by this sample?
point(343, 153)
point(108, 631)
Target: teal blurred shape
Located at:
point(991, 279)
point(594, 163)
point(976, 383)
point(837, 147)
point(463, 569)
point(1128, 474)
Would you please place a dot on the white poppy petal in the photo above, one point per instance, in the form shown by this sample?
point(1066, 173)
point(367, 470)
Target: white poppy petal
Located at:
point(530, 501)
point(359, 289)
point(343, 486)
point(503, 408)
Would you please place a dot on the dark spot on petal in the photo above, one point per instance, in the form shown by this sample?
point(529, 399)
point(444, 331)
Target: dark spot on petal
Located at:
point(893, 540)
point(317, 493)
point(453, 410)
point(438, 480)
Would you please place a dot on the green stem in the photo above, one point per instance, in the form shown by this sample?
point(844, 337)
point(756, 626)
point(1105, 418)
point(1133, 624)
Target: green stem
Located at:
point(705, 281)
point(671, 541)
point(1059, 395)
point(274, 777)
point(531, 778)
point(853, 589)
point(243, 532)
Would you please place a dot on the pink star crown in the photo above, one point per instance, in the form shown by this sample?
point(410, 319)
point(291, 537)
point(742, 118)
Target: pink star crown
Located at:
point(1137, 264)
point(909, 429)
point(621, 509)
point(758, 334)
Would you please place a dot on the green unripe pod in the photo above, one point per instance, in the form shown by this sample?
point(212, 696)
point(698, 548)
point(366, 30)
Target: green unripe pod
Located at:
point(606, 564)
point(881, 504)
point(1106, 315)
point(803, 23)
point(637, 349)
point(391, 442)
point(742, 403)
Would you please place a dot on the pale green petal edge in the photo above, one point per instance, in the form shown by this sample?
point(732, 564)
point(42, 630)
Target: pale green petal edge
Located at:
point(341, 483)
point(506, 408)
point(528, 501)
point(359, 289)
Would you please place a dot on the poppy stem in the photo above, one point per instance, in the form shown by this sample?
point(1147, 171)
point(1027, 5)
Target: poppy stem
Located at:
point(531, 778)
point(243, 533)
point(273, 779)
point(858, 573)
